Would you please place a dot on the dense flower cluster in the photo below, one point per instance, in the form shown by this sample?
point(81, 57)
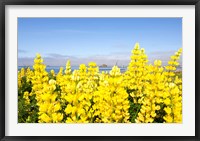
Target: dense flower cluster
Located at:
point(144, 93)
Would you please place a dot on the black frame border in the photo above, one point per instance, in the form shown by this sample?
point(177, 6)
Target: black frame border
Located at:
point(3, 4)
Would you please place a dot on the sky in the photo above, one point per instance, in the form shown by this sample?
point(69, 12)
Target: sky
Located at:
point(101, 40)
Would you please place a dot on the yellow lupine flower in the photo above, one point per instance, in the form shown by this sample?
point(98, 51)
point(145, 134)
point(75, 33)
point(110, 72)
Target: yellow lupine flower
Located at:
point(92, 96)
point(157, 63)
point(57, 117)
point(44, 118)
point(167, 110)
point(167, 101)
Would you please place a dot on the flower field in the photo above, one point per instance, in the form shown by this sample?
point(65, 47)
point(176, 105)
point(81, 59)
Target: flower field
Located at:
point(144, 93)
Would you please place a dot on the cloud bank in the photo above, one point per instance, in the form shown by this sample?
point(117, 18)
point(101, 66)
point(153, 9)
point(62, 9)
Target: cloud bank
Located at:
point(119, 58)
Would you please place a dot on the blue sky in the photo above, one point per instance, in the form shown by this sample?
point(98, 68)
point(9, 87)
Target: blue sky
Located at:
point(103, 40)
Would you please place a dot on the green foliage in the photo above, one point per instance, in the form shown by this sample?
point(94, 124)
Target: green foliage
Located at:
point(26, 112)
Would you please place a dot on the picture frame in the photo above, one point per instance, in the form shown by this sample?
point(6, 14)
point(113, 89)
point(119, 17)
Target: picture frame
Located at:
point(3, 87)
